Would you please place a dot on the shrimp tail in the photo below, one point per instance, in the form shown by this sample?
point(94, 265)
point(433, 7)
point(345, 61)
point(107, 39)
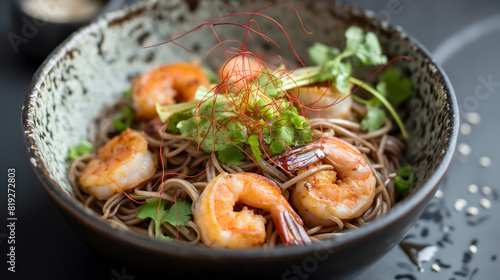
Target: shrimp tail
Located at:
point(301, 157)
point(290, 228)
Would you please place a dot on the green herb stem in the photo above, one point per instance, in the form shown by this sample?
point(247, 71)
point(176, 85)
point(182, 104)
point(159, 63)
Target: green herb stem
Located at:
point(384, 101)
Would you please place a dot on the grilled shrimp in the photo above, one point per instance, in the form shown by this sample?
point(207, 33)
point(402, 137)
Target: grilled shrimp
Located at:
point(166, 85)
point(122, 164)
point(345, 192)
point(221, 226)
point(319, 97)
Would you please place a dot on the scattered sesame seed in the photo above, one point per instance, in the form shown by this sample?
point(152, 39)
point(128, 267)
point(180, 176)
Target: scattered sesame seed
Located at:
point(473, 249)
point(486, 190)
point(473, 117)
point(464, 149)
point(473, 211)
point(465, 129)
point(436, 267)
point(484, 161)
point(439, 194)
point(485, 203)
point(460, 204)
point(473, 188)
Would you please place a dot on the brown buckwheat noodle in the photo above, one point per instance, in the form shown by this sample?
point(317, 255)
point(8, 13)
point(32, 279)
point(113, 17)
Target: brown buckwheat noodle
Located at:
point(181, 156)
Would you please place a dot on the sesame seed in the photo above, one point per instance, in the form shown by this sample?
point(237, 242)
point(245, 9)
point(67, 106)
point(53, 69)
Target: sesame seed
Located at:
point(473, 249)
point(460, 204)
point(486, 190)
point(436, 267)
point(473, 188)
point(484, 161)
point(464, 149)
point(465, 129)
point(485, 203)
point(439, 194)
point(473, 117)
point(473, 211)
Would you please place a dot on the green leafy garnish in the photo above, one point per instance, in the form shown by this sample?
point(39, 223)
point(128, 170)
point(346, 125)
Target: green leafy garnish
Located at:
point(123, 119)
point(231, 156)
point(395, 86)
point(83, 148)
point(177, 215)
point(232, 120)
point(229, 122)
point(127, 93)
point(336, 64)
point(404, 178)
point(374, 120)
point(254, 143)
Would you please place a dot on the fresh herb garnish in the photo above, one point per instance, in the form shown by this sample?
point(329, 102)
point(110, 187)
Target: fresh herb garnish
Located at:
point(177, 215)
point(227, 123)
point(394, 86)
point(374, 119)
point(404, 178)
point(336, 66)
point(127, 93)
point(83, 148)
point(123, 119)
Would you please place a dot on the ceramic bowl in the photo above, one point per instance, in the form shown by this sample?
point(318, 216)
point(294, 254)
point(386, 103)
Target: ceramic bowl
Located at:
point(94, 66)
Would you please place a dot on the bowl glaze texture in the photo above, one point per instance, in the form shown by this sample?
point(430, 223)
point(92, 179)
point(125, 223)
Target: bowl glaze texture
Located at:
point(93, 67)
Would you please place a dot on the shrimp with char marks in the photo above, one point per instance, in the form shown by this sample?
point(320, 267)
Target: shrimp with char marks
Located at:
point(122, 164)
point(221, 226)
point(326, 196)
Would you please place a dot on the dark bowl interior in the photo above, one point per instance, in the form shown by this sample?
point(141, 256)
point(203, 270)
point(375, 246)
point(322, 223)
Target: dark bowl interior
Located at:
point(94, 66)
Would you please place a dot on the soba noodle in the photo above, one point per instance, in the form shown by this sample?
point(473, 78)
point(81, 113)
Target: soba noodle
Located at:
point(181, 156)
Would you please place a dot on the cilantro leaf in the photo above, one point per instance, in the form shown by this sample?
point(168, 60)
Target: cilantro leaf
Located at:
point(174, 120)
point(155, 210)
point(374, 119)
point(123, 119)
point(285, 133)
point(127, 93)
point(336, 64)
point(365, 47)
point(231, 156)
point(395, 86)
point(276, 147)
point(270, 84)
point(320, 53)
point(85, 147)
point(342, 72)
point(302, 136)
point(254, 143)
point(178, 214)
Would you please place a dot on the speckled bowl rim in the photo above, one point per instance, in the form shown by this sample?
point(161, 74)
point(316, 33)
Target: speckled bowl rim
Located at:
point(399, 211)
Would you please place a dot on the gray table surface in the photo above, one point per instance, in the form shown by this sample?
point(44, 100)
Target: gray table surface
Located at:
point(463, 36)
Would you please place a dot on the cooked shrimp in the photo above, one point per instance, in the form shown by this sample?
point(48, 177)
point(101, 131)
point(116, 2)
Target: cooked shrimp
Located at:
point(345, 192)
point(238, 71)
point(122, 164)
point(221, 226)
point(319, 97)
point(166, 85)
